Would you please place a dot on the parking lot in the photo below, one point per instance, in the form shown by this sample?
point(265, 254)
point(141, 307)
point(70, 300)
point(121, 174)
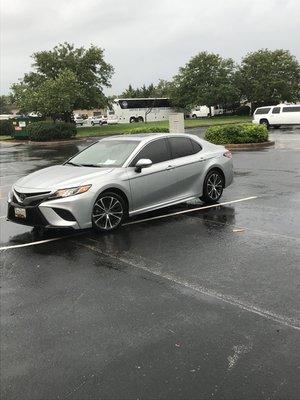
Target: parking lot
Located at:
point(188, 302)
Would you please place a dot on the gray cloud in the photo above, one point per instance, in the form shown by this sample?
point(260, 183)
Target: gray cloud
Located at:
point(145, 40)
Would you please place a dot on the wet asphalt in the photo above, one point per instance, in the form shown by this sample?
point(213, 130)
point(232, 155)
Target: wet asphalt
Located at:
point(199, 305)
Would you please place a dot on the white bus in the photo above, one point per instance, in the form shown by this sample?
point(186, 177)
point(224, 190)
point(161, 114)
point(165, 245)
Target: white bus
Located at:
point(282, 114)
point(139, 110)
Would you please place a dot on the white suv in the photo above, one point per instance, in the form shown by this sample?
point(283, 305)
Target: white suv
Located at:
point(275, 116)
point(97, 120)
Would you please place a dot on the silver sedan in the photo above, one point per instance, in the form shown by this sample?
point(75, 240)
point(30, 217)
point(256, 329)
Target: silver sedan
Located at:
point(121, 176)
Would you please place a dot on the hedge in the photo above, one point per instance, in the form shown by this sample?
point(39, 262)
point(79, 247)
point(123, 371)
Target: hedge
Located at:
point(237, 133)
point(6, 127)
point(46, 131)
point(147, 129)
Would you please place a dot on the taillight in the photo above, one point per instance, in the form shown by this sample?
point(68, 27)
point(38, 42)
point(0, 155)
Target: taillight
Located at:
point(228, 154)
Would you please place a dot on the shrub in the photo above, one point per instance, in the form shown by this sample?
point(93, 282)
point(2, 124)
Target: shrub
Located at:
point(46, 131)
point(147, 129)
point(238, 133)
point(6, 127)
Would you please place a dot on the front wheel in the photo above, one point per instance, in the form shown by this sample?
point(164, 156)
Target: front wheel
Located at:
point(265, 122)
point(213, 187)
point(132, 120)
point(109, 212)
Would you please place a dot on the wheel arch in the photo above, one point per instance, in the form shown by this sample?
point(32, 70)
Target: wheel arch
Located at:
point(216, 168)
point(118, 191)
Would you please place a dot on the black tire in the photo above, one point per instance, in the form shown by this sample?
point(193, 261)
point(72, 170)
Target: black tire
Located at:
point(140, 119)
point(92, 123)
point(212, 187)
point(265, 122)
point(109, 212)
point(194, 116)
point(132, 120)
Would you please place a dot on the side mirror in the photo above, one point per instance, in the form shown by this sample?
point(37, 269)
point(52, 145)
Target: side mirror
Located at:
point(142, 163)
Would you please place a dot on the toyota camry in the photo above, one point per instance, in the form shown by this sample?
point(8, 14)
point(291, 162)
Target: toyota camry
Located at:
point(118, 177)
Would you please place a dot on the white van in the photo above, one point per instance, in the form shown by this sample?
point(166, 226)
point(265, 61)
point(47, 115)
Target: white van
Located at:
point(282, 114)
point(203, 111)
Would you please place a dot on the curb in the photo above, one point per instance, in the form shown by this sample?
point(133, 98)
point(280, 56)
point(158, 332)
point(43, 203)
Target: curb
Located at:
point(19, 142)
point(249, 146)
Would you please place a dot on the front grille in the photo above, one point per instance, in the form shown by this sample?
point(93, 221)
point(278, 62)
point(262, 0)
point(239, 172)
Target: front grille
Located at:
point(30, 198)
point(30, 194)
point(34, 217)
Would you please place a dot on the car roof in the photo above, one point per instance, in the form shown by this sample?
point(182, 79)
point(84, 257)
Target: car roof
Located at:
point(146, 136)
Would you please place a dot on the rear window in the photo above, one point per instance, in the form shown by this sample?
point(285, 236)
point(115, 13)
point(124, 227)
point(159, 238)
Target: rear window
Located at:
point(291, 109)
point(264, 110)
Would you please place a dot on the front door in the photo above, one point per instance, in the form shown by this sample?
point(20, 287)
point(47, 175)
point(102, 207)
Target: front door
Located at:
point(154, 185)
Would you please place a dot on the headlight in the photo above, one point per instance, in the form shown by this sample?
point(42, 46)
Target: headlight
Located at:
point(70, 191)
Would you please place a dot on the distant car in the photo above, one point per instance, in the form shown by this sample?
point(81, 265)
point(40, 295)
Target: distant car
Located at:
point(79, 120)
point(97, 120)
point(275, 116)
point(204, 111)
point(121, 176)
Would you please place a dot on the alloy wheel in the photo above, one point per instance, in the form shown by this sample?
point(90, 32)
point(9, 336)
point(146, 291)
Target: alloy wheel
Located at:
point(214, 186)
point(107, 213)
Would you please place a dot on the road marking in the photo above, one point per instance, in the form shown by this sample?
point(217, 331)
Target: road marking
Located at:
point(191, 210)
point(129, 223)
point(290, 322)
point(16, 246)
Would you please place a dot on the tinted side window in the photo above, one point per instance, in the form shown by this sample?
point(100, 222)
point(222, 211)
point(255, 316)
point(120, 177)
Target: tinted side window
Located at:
point(276, 110)
point(181, 147)
point(156, 151)
point(263, 110)
point(196, 147)
point(291, 109)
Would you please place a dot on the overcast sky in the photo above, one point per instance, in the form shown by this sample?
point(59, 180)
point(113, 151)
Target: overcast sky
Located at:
point(144, 40)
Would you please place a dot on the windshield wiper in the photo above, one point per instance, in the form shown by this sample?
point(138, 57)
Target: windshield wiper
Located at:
point(71, 163)
point(91, 165)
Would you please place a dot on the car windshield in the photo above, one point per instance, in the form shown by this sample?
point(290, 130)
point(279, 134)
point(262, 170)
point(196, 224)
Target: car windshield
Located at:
point(105, 153)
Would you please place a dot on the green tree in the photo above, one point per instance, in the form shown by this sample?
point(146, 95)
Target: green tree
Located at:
point(207, 79)
point(269, 77)
point(64, 79)
point(5, 102)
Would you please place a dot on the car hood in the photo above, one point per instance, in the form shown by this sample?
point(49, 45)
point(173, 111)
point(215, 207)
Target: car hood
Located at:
point(60, 176)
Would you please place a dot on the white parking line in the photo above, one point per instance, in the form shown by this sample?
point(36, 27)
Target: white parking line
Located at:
point(134, 222)
point(191, 210)
point(16, 246)
point(281, 319)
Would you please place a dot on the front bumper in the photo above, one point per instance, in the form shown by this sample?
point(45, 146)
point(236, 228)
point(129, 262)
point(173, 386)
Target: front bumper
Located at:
point(34, 217)
point(40, 216)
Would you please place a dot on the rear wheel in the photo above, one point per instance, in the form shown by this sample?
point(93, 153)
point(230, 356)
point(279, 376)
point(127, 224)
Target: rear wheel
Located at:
point(140, 119)
point(213, 187)
point(132, 120)
point(92, 123)
point(109, 212)
point(194, 116)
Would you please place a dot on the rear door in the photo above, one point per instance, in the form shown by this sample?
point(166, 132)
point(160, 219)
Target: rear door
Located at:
point(188, 165)
point(275, 116)
point(154, 185)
